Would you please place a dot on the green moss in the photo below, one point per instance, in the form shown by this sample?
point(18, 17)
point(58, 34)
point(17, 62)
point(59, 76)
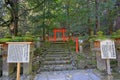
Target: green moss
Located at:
point(16, 39)
point(29, 39)
point(22, 39)
point(92, 38)
point(3, 40)
point(100, 36)
point(100, 33)
point(116, 34)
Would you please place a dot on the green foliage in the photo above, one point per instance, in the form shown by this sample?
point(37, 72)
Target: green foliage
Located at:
point(37, 52)
point(3, 40)
point(116, 34)
point(79, 15)
point(71, 42)
point(22, 39)
point(29, 39)
point(85, 37)
point(113, 62)
point(27, 33)
point(80, 57)
point(46, 44)
point(99, 36)
point(92, 38)
point(16, 39)
point(100, 33)
point(26, 38)
point(7, 35)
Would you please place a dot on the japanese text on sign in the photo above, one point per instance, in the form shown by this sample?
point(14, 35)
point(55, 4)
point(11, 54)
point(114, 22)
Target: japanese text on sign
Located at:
point(18, 53)
point(108, 49)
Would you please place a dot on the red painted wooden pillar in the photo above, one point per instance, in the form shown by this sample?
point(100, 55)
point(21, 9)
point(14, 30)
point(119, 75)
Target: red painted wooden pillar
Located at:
point(77, 45)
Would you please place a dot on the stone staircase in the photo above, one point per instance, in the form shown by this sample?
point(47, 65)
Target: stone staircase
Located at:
point(57, 58)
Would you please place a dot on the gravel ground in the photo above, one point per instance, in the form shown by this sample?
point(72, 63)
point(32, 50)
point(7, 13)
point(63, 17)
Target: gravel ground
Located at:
point(68, 75)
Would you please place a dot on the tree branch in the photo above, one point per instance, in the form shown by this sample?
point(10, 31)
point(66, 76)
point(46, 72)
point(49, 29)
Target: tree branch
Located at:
point(32, 8)
point(7, 23)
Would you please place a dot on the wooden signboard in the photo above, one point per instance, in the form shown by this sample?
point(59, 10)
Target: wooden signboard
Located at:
point(107, 49)
point(108, 52)
point(18, 52)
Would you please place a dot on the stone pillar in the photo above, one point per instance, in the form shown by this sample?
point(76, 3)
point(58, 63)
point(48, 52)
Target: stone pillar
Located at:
point(118, 58)
point(5, 66)
point(80, 45)
point(38, 42)
point(101, 63)
point(27, 67)
point(81, 49)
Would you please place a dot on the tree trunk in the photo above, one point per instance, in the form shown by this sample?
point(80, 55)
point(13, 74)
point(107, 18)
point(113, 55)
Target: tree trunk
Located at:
point(97, 16)
point(15, 16)
point(43, 32)
point(44, 14)
point(13, 7)
point(89, 19)
point(68, 14)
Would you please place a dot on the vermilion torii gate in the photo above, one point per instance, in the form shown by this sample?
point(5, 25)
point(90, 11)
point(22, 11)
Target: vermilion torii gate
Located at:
point(63, 30)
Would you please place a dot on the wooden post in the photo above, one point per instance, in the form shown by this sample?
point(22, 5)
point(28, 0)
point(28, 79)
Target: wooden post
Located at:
point(108, 67)
point(18, 71)
point(18, 59)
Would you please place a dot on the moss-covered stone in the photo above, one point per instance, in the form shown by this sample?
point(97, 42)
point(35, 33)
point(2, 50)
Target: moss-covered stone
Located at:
point(116, 34)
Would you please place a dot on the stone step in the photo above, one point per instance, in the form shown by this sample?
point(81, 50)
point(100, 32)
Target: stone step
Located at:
point(56, 67)
point(62, 47)
point(58, 52)
point(57, 58)
point(57, 55)
point(57, 62)
point(57, 45)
